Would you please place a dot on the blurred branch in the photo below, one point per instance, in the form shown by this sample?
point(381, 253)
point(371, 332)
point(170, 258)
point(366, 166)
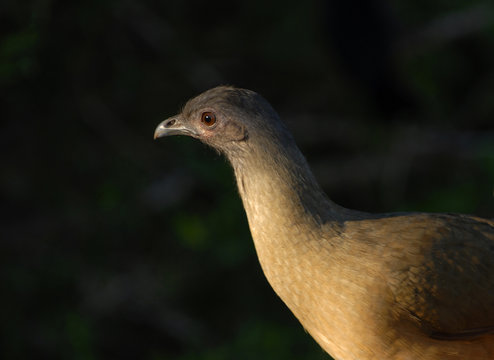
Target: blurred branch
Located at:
point(447, 28)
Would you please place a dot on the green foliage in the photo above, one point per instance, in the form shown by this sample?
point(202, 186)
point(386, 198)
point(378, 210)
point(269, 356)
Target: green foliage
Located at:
point(79, 334)
point(17, 55)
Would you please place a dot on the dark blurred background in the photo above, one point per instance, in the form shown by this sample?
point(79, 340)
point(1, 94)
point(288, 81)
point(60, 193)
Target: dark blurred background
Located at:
point(114, 246)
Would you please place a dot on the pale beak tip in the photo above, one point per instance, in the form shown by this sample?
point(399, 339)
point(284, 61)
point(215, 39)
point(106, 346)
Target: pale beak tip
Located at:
point(159, 132)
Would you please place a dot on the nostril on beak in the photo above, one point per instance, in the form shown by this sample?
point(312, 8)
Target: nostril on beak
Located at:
point(171, 122)
point(172, 126)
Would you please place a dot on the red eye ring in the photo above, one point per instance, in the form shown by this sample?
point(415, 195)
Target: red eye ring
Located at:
point(208, 118)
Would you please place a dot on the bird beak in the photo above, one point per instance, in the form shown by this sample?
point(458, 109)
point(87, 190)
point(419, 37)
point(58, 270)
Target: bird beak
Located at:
point(173, 126)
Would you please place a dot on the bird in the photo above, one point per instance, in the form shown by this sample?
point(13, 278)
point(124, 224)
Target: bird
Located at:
point(401, 286)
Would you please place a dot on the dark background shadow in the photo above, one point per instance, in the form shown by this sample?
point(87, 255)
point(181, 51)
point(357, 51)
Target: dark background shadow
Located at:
point(114, 246)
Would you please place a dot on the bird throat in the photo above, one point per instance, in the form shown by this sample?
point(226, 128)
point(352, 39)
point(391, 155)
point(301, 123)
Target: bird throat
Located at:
point(277, 187)
point(286, 210)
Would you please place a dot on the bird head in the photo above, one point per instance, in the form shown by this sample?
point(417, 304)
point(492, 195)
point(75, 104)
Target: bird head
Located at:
point(225, 118)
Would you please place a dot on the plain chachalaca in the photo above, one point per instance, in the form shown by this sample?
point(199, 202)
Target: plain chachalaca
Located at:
point(389, 286)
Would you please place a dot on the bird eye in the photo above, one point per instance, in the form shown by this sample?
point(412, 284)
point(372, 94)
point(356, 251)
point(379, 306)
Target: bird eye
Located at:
point(208, 118)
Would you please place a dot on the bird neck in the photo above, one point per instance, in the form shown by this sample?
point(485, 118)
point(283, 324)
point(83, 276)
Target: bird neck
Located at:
point(280, 193)
point(289, 215)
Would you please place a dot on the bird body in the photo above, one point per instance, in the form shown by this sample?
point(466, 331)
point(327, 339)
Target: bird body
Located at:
point(365, 286)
